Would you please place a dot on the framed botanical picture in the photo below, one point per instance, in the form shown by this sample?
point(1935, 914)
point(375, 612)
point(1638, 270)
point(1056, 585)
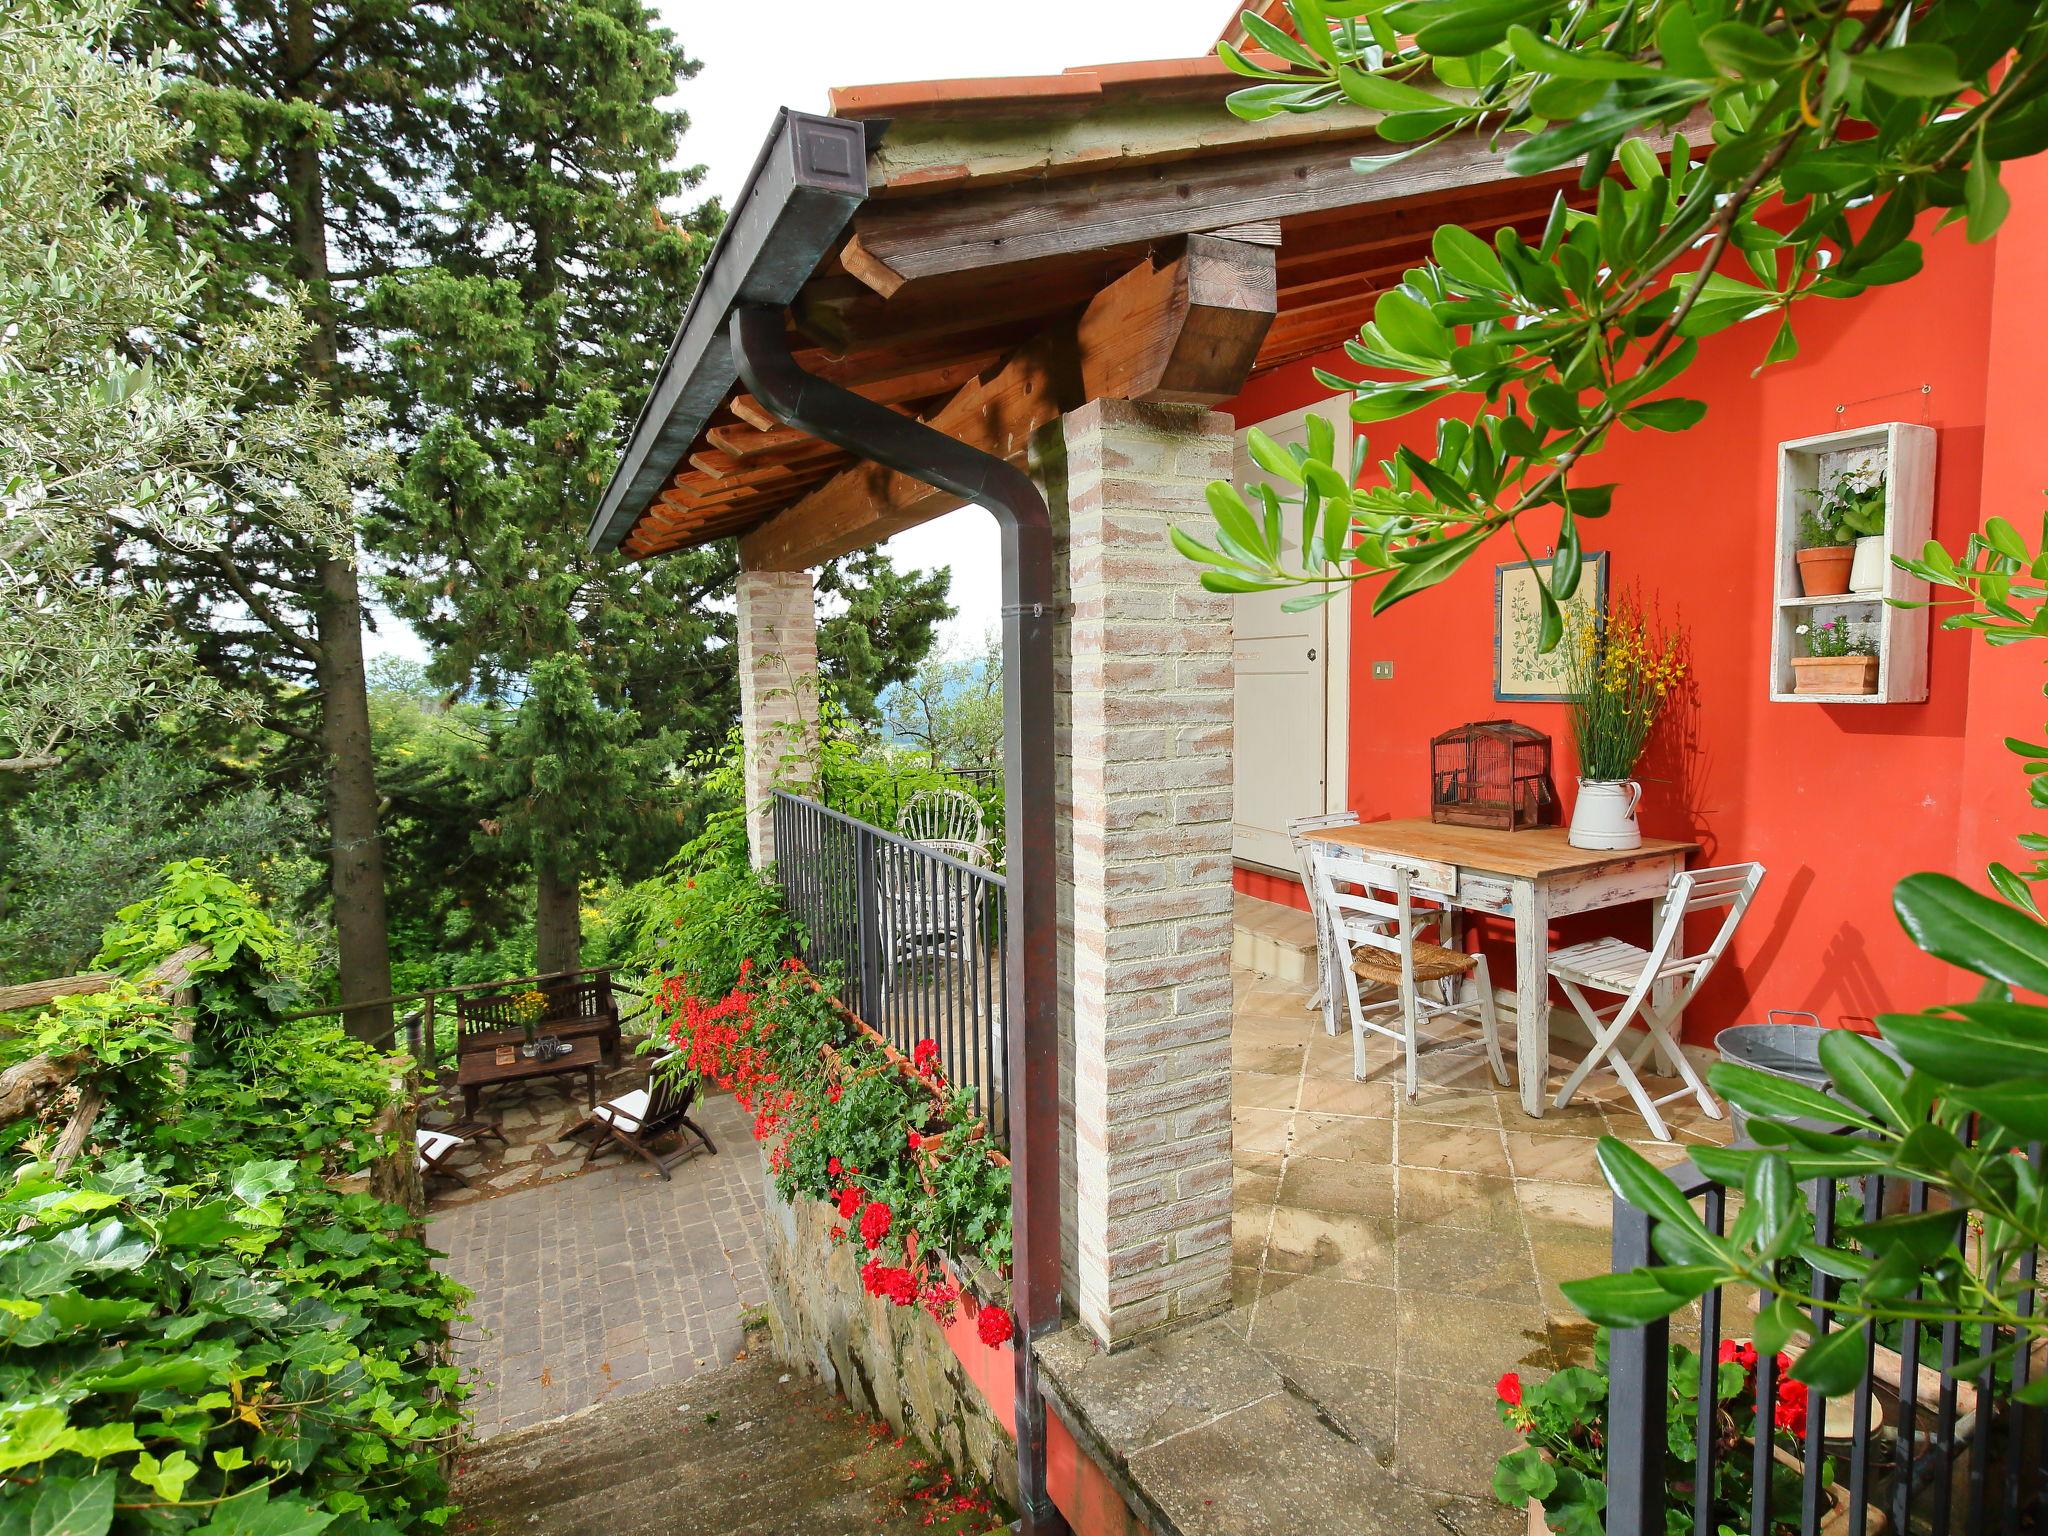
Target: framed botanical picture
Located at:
point(1519, 671)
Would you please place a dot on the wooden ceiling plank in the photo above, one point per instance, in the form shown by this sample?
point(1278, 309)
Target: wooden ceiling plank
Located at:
point(1026, 223)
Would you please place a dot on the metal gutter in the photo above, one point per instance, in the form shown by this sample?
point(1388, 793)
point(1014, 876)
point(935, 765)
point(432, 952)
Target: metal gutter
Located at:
point(760, 350)
point(811, 174)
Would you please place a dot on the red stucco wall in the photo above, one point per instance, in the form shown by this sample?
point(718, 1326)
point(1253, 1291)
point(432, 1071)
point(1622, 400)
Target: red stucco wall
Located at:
point(1837, 801)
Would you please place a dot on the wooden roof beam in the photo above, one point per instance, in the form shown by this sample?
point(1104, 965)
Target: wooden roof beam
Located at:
point(1185, 331)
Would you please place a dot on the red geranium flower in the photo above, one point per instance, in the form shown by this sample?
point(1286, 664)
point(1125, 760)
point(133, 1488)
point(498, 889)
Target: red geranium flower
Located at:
point(874, 1224)
point(916, 1141)
point(994, 1326)
point(1509, 1389)
point(832, 1166)
point(1790, 1413)
point(850, 1200)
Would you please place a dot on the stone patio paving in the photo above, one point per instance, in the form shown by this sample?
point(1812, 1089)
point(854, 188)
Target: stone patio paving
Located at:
point(607, 1285)
point(1402, 1256)
point(1391, 1261)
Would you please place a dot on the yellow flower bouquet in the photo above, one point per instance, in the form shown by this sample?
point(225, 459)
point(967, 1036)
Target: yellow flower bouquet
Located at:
point(1618, 675)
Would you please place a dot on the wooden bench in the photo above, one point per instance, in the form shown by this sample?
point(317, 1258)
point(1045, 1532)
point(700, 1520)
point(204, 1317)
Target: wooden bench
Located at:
point(577, 1008)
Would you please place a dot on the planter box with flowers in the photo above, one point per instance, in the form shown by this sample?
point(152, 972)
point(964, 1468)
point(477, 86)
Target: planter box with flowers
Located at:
point(892, 1240)
point(1841, 658)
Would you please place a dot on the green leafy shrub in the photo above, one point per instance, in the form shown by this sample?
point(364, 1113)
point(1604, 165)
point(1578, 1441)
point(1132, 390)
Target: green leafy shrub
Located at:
point(697, 925)
point(208, 1358)
point(202, 1327)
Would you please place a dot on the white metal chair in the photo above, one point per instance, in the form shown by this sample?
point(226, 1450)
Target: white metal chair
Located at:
point(949, 820)
point(1614, 965)
point(1374, 933)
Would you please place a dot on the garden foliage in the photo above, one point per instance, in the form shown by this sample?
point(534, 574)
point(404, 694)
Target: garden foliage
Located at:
point(206, 1327)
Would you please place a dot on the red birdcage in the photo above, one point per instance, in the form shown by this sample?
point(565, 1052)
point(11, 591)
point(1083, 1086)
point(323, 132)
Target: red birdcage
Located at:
point(1492, 773)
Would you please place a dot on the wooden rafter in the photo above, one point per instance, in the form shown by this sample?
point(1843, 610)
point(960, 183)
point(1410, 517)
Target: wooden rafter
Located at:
point(1185, 330)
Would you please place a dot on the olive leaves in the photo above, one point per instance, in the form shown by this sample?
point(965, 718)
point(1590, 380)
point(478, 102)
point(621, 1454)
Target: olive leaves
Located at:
point(1550, 340)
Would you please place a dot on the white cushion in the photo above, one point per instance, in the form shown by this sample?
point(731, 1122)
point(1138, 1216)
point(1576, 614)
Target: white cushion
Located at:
point(626, 1111)
point(434, 1145)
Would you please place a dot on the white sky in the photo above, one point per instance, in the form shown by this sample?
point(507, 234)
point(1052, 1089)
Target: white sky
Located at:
point(758, 58)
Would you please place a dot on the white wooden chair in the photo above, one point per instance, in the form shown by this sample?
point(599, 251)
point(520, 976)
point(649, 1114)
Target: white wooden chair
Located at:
point(1638, 975)
point(1324, 996)
point(1374, 933)
point(949, 820)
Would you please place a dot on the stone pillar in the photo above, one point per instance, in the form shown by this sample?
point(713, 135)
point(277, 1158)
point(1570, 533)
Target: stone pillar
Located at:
point(1146, 824)
point(778, 635)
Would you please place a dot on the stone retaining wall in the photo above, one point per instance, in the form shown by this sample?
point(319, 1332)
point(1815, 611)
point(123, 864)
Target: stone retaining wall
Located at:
point(892, 1361)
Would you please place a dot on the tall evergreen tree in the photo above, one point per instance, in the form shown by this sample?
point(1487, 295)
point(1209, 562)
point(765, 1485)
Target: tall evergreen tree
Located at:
point(561, 264)
point(322, 133)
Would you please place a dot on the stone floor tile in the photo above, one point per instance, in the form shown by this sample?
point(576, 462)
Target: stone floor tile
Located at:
point(1466, 1339)
point(1343, 1138)
point(1347, 1096)
point(1319, 1185)
point(1261, 1130)
point(1439, 1197)
point(1255, 1176)
point(1559, 1159)
point(1548, 1203)
point(1334, 1320)
point(1476, 1149)
point(1494, 1266)
point(1452, 1435)
point(1336, 1245)
point(1262, 1090)
point(1220, 1479)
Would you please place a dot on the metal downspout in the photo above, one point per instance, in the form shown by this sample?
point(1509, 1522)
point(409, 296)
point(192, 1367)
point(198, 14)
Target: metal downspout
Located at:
point(1030, 965)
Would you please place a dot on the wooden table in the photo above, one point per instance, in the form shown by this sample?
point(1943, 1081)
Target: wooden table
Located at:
point(1531, 876)
point(478, 1070)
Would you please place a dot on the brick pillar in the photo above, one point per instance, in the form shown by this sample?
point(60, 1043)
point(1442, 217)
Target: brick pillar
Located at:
point(778, 634)
point(1147, 817)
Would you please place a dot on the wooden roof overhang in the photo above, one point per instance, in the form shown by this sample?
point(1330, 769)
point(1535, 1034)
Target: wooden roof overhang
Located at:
point(1005, 250)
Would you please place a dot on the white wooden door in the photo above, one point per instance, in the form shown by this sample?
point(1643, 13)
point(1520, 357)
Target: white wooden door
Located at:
point(1293, 677)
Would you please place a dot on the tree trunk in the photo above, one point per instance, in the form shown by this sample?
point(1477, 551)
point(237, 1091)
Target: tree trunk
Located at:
point(557, 922)
point(356, 864)
point(356, 872)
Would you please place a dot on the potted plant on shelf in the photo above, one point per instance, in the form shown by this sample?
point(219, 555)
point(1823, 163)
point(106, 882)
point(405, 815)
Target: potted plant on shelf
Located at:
point(1842, 534)
point(1618, 674)
point(1841, 659)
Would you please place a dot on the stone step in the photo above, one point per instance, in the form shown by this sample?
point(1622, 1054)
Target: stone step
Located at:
point(750, 1448)
point(1273, 939)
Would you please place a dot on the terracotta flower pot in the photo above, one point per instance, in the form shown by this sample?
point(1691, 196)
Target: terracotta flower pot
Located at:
point(1834, 674)
point(1824, 572)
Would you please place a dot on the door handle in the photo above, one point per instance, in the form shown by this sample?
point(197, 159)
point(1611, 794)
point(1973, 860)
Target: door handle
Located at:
point(1311, 653)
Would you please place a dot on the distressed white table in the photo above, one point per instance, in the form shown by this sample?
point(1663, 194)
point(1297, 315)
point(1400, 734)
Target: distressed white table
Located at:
point(1531, 876)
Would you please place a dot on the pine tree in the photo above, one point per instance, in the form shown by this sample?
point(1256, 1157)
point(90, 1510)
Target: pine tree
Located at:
point(562, 261)
point(321, 133)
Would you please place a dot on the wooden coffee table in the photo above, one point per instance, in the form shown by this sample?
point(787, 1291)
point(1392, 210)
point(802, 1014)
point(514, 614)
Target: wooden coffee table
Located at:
point(478, 1070)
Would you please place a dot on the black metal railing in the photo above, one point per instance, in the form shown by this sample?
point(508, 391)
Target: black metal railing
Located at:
point(913, 936)
point(1922, 1452)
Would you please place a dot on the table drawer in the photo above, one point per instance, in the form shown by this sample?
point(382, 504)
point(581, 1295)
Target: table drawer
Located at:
point(1426, 877)
point(1485, 893)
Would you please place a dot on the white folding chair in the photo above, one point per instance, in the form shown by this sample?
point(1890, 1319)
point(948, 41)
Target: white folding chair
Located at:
point(1324, 996)
point(1613, 965)
point(1374, 932)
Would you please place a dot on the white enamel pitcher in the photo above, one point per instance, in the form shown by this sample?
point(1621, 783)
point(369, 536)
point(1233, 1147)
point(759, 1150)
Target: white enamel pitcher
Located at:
point(1605, 814)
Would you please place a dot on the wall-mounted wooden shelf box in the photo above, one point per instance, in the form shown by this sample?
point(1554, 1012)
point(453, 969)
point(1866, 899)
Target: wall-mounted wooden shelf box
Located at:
point(1905, 453)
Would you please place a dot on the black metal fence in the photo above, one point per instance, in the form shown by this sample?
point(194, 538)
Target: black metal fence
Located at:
point(913, 936)
point(1916, 1450)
